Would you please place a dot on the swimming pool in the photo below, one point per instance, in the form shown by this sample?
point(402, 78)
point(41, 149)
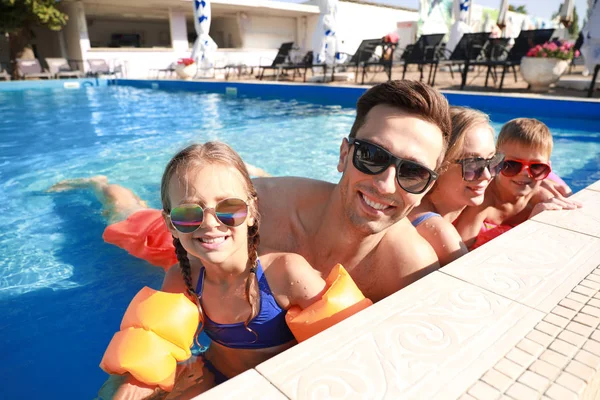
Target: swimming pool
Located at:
point(63, 291)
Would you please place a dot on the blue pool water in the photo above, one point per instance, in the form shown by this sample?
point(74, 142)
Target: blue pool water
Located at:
point(63, 290)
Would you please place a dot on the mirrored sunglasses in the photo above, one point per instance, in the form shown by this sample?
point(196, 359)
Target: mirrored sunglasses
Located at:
point(187, 218)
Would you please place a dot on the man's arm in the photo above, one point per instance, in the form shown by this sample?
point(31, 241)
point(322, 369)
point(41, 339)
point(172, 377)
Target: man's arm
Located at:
point(403, 258)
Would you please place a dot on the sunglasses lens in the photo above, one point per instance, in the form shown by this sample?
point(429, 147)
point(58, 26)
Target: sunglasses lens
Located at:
point(539, 171)
point(511, 168)
point(370, 159)
point(412, 177)
point(472, 170)
point(232, 212)
point(186, 219)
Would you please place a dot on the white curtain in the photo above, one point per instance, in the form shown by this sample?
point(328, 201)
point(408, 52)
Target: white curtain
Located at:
point(204, 47)
point(325, 38)
point(432, 17)
point(460, 10)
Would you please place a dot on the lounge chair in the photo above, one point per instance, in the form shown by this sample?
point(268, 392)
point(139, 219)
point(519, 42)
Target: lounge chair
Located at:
point(511, 58)
point(99, 67)
point(469, 47)
point(385, 60)
point(3, 74)
point(361, 56)
point(60, 68)
point(304, 65)
point(424, 52)
point(31, 69)
point(281, 58)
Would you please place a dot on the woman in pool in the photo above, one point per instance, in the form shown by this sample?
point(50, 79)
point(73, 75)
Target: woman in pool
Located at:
point(470, 164)
point(210, 208)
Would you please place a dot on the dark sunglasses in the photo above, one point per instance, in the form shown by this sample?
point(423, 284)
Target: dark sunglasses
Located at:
point(187, 218)
point(473, 168)
point(371, 159)
point(536, 170)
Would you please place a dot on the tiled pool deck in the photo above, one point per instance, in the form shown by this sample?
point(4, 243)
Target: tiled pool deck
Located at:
point(517, 319)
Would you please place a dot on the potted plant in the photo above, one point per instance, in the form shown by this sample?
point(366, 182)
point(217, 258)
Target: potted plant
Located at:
point(186, 68)
point(544, 64)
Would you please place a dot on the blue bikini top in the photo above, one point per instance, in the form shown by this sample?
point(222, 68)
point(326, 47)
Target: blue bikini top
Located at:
point(419, 220)
point(269, 324)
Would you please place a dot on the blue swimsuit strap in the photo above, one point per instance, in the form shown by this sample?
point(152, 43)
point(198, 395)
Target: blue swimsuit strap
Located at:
point(422, 218)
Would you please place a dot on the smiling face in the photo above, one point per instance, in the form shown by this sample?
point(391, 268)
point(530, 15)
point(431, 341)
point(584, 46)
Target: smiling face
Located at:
point(373, 203)
point(521, 184)
point(478, 143)
point(213, 242)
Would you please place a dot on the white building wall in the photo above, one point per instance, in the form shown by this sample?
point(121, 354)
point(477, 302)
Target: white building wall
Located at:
point(225, 32)
point(268, 32)
point(357, 22)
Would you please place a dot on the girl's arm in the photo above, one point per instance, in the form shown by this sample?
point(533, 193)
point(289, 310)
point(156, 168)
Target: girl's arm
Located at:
point(444, 239)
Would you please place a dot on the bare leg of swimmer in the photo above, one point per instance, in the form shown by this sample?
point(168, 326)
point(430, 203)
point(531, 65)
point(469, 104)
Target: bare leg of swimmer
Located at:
point(255, 171)
point(118, 202)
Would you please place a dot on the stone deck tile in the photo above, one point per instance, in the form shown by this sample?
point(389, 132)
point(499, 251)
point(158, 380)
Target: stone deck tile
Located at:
point(433, 339)
point(594, 186)
point(524, 270)
point(249, 385)
point(585, 220)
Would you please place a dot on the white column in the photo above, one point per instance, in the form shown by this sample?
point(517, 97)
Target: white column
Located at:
point(76, 32)
point(179, 40)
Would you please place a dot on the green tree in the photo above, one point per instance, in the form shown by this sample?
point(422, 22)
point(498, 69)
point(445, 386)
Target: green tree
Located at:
point(517, 9)
point(19, 16)
point(573, 28)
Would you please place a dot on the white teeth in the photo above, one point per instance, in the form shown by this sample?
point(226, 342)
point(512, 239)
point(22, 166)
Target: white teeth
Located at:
point(213, 240)
point(376, 206)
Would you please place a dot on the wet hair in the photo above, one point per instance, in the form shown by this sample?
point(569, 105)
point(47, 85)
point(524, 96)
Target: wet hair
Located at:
point(186, 162)
point(463, 120)
point(412, 97)
point(527, 132)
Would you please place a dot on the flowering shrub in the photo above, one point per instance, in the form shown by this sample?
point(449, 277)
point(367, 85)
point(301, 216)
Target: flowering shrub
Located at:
point(555, 49)
point(185, 61)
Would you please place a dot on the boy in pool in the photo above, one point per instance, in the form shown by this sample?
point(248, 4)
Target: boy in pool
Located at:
point(517, 193)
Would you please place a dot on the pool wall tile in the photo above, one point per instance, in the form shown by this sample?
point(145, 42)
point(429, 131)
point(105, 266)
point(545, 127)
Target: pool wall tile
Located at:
point(347, 95)
point(249, 385)
point(10, 86)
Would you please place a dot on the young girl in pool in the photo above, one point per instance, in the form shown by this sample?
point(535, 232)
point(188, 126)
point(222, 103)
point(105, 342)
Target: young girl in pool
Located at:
point(210, 208)
point(469, 166)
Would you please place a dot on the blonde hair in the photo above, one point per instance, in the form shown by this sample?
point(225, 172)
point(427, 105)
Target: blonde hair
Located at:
point(463, 119)
point(527, 132)
point(192, 158)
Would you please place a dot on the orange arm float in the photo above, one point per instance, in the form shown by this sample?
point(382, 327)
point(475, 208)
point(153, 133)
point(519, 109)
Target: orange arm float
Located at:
point(157, 331)
point(341, 300)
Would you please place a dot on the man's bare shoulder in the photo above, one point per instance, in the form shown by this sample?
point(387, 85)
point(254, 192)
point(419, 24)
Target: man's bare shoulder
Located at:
point(291, 187)
point(402, 244)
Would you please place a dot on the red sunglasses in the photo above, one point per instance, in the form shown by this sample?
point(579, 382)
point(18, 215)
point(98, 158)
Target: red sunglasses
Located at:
point(535, 169)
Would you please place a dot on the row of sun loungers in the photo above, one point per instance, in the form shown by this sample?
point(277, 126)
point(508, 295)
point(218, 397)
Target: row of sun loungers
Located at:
point(58, 68)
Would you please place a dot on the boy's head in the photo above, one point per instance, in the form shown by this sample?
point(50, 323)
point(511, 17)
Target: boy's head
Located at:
point(527, 146)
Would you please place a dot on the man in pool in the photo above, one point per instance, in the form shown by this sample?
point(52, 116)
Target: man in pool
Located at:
point(388, 163)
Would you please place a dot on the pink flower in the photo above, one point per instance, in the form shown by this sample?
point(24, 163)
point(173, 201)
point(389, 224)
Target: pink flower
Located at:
point(577, 53)
point(544, 55)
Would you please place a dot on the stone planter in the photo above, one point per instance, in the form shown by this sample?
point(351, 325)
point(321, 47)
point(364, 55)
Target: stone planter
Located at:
point(541, 72)
point(186, 71)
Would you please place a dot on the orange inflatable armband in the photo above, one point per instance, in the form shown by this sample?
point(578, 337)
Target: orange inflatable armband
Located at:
point(157, 331)
point(144, 235)
point(341, 300)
